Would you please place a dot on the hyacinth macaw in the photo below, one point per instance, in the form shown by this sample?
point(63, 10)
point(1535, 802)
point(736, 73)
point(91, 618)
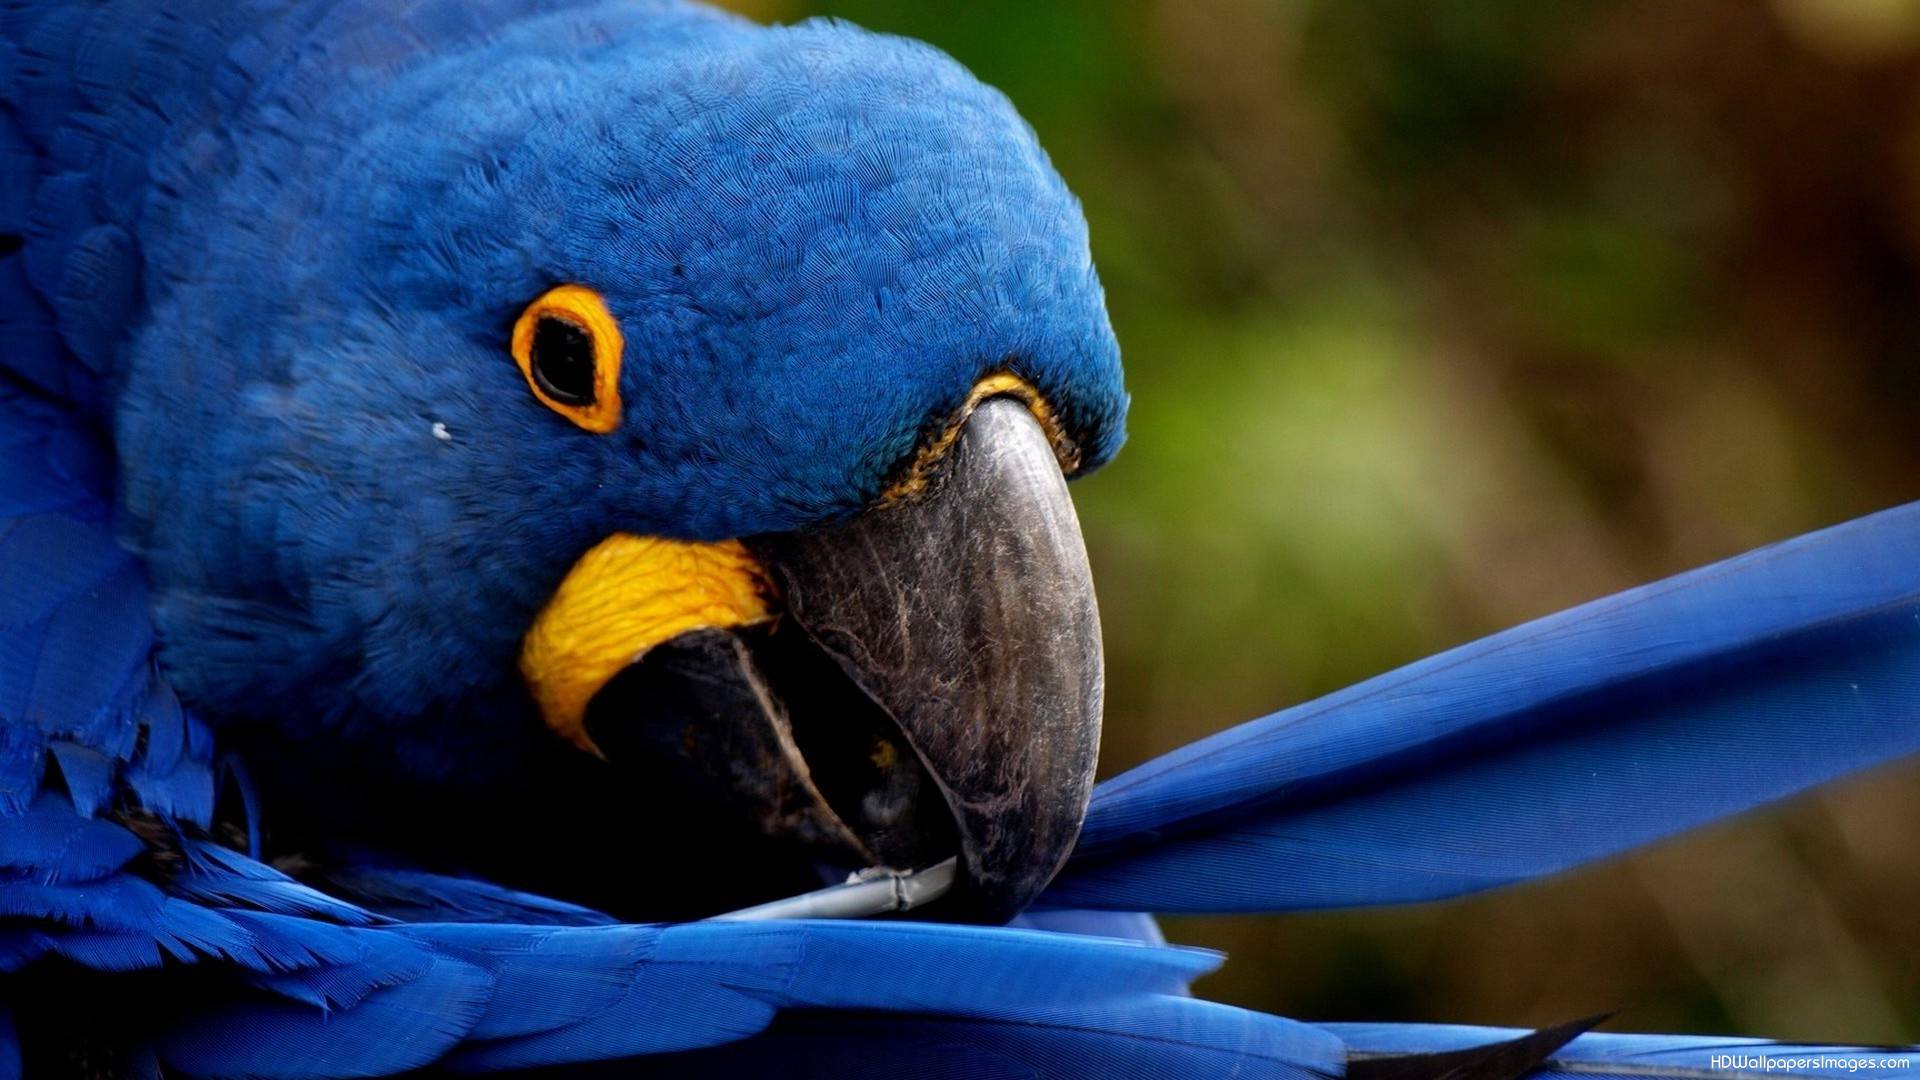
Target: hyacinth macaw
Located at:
point(490, 483)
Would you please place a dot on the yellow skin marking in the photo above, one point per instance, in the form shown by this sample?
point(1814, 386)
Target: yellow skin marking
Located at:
point(626, 595)
point(630, 593)
point(999, 384)
point(584, 308)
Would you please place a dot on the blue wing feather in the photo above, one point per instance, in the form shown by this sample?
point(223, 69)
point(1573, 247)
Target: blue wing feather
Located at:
point(411, 895)
point(1125, 925)
point(1145, 1038)
point(391, 1030)
point(1555, 743)
point(497, 997)
point(1643, 1057)
point(317, 987)
point(76, 672)
point(52, 843)
point(222, 877)
point(710, 983)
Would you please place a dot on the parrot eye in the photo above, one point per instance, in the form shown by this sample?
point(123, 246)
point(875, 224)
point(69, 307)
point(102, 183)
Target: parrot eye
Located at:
point(568, 346)
point(562, 361)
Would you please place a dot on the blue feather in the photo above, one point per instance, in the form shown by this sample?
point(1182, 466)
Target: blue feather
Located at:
point(20, 947)
point(1535, 750)
point(100, 950)
point(166, 726)
point(332, 987)
point(87, 774)
point(1643, 1057)
point(398, 1028)
point(28, 342)
point(76, 671)
point(419, 896)
point(48, 559)
point(220, 877)
point(189, 933)
point(519, 998)
point(316, 986)
point(1143, 1039)
point(1125, 925)
point(55, 845)
point(709, 983)
point(121, 903)
point(22, 759)
point(95, 641)
point(185, 790)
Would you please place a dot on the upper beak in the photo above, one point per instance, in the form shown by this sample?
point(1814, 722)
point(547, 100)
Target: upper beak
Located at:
point(928, 685)
point(968, 614)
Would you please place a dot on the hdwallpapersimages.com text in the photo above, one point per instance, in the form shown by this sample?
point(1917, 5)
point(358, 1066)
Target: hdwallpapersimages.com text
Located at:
point(1802, 1062)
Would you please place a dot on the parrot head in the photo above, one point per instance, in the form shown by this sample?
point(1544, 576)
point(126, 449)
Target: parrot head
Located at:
point(639, 440)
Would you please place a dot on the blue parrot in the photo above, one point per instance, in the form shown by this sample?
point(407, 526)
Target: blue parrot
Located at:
point(491, 485)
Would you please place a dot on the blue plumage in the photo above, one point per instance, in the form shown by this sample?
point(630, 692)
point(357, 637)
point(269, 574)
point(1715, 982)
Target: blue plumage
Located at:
point(1601, 1054)
point(319, 987)
point(269, 475)
point(1141, 1040)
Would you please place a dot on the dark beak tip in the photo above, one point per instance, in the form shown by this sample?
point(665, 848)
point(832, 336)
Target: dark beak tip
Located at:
point(1013, 848)
point(995, 897)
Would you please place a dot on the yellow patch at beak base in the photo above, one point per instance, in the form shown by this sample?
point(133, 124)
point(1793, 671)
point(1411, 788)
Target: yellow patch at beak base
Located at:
point(623, 597)
point(999, 384)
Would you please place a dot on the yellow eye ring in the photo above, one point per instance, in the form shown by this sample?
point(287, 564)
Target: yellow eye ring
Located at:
point(568, 346)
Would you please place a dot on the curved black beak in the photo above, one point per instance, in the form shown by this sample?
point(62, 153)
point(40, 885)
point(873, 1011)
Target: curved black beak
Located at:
point(967, 613)
point(930, 687)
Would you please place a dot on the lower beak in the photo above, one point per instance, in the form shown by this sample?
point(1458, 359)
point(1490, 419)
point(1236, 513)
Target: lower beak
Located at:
point(930, 686)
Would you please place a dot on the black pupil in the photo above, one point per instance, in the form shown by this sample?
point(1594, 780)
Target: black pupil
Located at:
point(563, 361)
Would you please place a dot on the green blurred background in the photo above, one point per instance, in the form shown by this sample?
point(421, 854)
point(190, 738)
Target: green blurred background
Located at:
point(1440, 316)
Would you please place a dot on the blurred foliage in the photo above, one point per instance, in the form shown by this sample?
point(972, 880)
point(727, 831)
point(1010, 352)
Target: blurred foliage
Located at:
point(1441, 316)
